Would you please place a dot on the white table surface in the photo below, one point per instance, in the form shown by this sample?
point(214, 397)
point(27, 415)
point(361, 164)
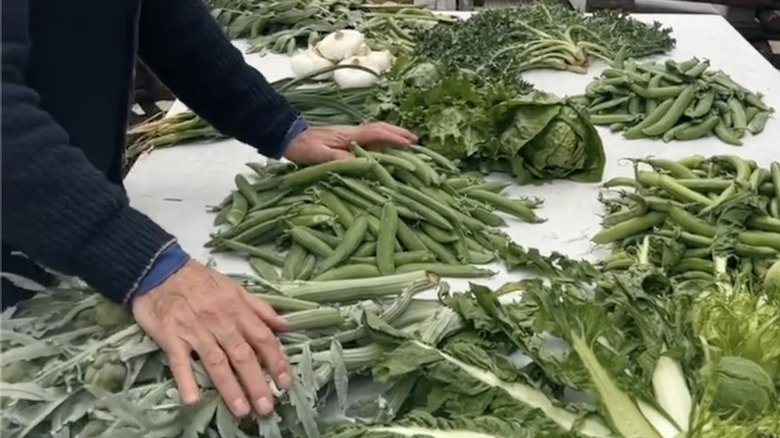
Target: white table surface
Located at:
point(174, 186)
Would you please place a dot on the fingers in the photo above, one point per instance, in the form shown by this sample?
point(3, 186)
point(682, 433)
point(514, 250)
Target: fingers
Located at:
point(335, 154)
point(217, 364)
point(179, 361)
point(242, 356)
point(382, 134)
point(263, 340)
point(266, 312)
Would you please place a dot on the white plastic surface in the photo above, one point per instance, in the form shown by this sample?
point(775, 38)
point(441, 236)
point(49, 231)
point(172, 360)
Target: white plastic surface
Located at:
point(174, 186)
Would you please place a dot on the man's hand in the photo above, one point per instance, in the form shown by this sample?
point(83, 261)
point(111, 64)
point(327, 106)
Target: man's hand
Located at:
point(198, 310)
point(320, 144)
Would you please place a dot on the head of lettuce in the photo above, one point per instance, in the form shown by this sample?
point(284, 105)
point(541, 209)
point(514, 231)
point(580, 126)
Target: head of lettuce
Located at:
point(493, 125)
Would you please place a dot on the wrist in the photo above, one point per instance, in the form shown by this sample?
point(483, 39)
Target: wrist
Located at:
point(297, 128)
point(168, 262)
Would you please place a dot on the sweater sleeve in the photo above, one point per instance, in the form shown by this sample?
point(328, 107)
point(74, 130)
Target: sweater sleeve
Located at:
point(57, 208)
point(185, 47)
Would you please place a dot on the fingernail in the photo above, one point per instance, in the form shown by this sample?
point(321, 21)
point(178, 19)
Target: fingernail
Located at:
point(284, 380)
point(264, 406)
point(240, 407)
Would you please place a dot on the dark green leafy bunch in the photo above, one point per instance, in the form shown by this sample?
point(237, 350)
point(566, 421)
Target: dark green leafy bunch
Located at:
point(490, 123)
point(540, 35)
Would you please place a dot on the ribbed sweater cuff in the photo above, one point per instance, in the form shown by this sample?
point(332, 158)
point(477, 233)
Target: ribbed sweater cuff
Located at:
point(120, 253)
point(270, 142)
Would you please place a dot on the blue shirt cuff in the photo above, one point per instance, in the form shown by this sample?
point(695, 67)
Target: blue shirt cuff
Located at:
point(168, 263)
point(298, 126)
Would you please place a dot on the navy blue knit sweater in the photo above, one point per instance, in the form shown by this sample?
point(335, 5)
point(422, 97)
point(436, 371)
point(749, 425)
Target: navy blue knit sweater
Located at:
point(67, 71)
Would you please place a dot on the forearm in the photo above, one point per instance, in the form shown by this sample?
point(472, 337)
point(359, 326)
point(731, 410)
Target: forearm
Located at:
point(185, 47)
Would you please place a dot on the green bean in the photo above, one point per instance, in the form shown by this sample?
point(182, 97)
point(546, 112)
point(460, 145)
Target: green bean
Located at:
point(310, 221)
point(264, 269)
point(740, 166)
point(365, 250)
point(774, 170)
point(246, 190)
point(774, 208)
point(333, 202)
point(629, 228)
point(765, 223)
point(351, 198)
point(381, 174)
point(494, 186)
point(423, 171)
point(349, 272)
point(437, 248)
point(253, 232)
point(481, 257)
point(438, 234)
point(740, 249)
point(621, 182)
point(635, 105)
point(312, 174)
point(652, 118)
point(254, 219)
point(409, 178)
point(294, 200)
point(238, 209)
point(673, 187)
point(672, 115)
point(433, 204)
point(268, 256)
point(692, 161)
point(391, 160)
point(331, 240)
point(361, 189)
point(758, 122)
point(738, 117)
point(307, 268)
point(608, 104)
point(511, 206)
point(400, 258)
point(672, 132)
point(385, 242)
point(760, 238)
point(352, 240)
point(425, 211)
point(410, 239)
point(693, 264)
point(758, 177)
point(447, 270)
point(304, 238)
point(293, 261)
point(439, 159)
point(674, 168)
point(702, 106)
point(459, 183)
point(488, 217)
point(750, 113)
point(697, 130)
point(697, 70)
point(659, 92)
point(221, 216)
point(661, 204)
point(689, 222)
point(705, 184)
point(725, 134)
point(271, 200)
point(639, 208)
point(608, 119)
point(756, 101)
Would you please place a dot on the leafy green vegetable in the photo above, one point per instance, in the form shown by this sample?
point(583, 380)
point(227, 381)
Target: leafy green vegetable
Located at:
point(491, 124)
point(504, 42)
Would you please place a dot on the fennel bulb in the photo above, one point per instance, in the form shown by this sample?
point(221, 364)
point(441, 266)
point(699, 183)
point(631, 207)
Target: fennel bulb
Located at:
point(309, 61)
point(341, 44)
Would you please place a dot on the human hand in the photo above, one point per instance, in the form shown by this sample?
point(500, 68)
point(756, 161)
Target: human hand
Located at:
point(328, 143)
point(202, 311)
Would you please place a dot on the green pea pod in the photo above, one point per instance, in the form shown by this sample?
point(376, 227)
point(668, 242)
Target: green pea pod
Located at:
point(659, 92)
point(697, 130)
point(672, 115)
point(594, 109)
point(738, 117)
point(609, 119)
point(702, 106)
point(725, 134)
point(758, 122)
point(636, 131)
point(697, 70)
point(669, 135)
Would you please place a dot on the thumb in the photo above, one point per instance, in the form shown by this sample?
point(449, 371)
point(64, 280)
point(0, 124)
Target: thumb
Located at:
point(335, 154)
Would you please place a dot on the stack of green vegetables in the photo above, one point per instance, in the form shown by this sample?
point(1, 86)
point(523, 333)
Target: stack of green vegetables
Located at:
point(505, 42)
point(384, 212)
point(700, 212)
point(649, 355)
point(322, 103)
point(490, 124)
point(674, 101)
point(284, 26)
